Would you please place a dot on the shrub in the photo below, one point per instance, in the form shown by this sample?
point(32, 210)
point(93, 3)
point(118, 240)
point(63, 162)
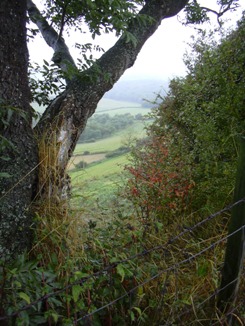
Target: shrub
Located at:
point(81, 165)
point(159, 183)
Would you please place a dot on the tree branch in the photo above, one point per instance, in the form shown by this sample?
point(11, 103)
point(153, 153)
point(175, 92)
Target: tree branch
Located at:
point(89, 87)
point(62, 23)
point(221, 12)
point(124, 53)
point(66, 117)
point(62, 57)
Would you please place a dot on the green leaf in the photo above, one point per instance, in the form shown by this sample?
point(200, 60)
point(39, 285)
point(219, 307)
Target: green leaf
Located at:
point(17, 284)
point(79, 275)
point(131, 38)
point(25, 297)
point(113, 260)
point(76, 291)
point(121, 271)
point(4, 175)
point(132, 316)
point(55, 317)
point(46, 62)
point(138, 310)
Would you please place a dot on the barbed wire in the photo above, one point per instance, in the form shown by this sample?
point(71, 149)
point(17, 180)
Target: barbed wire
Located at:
point(141, 254)
point(171, 268)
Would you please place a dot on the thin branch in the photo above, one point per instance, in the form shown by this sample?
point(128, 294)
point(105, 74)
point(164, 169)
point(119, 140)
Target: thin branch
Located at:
point(62, 57)
point(62, 24)
point(221, 12)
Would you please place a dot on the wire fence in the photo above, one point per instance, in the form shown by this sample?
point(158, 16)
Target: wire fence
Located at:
point(169, 269)
point(157, 275)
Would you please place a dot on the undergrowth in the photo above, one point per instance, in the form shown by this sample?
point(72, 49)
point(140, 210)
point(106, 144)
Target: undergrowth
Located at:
point(115, 267)
point(122, 266)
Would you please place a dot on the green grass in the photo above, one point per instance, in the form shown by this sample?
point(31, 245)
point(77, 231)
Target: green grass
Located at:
point(112, 143)
point(98, 182)
point(94, 171)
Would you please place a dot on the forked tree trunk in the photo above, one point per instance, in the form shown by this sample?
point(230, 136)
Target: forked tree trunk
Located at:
point(19, 158)
point(66, 117)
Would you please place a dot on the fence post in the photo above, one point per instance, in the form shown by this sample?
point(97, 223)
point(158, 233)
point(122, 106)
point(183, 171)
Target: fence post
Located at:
point(235, 243)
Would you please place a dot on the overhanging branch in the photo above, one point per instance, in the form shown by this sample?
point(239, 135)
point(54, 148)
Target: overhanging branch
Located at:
point(87, 88)
point(123, 54)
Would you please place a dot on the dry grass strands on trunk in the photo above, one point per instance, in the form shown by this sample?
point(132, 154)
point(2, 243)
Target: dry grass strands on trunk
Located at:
point(58, 228)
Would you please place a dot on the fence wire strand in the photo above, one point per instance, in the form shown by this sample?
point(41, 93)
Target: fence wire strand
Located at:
point(169, 269)
point(110, 267)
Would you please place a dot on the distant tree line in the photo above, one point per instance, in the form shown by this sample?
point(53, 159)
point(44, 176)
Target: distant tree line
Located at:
point(103, 125)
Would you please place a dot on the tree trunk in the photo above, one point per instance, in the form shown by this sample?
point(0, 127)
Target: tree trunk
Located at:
point(66, 117)
point(19, 159)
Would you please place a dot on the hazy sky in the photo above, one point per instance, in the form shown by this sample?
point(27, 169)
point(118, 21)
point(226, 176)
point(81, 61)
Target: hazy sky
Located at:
point(161, 56)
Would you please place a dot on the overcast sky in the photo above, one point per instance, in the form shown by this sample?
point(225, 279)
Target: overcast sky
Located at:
point(161, 56)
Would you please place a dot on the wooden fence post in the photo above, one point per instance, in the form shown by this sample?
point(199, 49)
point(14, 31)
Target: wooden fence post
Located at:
point(235, 244)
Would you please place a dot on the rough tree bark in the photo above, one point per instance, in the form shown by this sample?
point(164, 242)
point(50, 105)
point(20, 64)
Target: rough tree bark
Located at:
point(19, 159)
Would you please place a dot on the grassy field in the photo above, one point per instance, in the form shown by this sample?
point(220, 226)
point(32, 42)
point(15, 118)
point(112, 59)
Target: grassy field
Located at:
point(85, 158)
point(102, 169)
point(99, 181)
point(112, 143)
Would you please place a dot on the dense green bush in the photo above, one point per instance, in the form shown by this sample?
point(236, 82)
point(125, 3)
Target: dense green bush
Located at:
point(46, 292)
point(204, 113)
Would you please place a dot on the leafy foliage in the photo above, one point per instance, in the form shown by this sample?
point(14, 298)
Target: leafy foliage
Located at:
point(204, 113)
point(198, 14)
point(106, 16)
point(46, 82)
point(159, 183)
